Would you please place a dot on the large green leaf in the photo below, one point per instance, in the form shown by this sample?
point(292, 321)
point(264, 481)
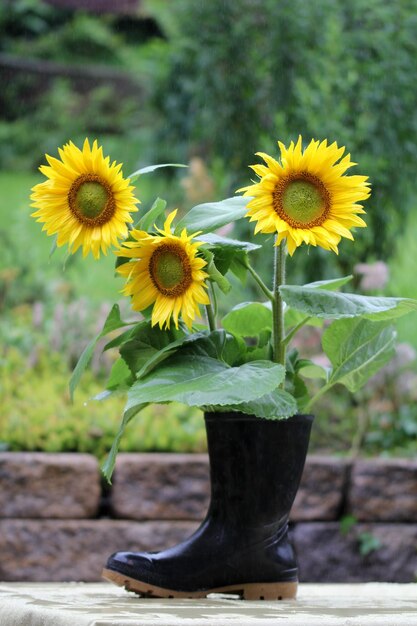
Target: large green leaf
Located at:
point(334, 305)
point(213, 215)
point(248, 319)
point(357, 349)
point(295, 318)
point(201, 381)
point(113, 322)
point(332, 285)
point(275, 405)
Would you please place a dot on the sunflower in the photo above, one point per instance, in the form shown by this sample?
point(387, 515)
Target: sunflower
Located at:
point(85, 201)
point(165, 272)
point(306, 198)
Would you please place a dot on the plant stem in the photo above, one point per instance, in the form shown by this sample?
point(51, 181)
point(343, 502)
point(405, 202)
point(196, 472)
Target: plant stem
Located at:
point(210, 313)
point(261, 283)
point(318, 395)
point(295, 330)
point(278, 304)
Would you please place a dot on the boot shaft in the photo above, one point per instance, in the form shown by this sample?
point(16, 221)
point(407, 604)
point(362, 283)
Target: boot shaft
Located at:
point(255, 466)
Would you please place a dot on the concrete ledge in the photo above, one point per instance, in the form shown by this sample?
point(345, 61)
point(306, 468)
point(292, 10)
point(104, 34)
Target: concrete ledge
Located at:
point(372, 604)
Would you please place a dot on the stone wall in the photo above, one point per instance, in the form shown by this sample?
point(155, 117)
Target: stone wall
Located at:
point(350, 522)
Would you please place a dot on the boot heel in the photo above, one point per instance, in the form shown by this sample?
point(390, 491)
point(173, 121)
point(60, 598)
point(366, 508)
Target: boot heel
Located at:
point(270, 591)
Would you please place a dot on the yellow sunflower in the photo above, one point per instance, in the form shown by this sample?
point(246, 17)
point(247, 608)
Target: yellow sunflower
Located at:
point(306, 198)
point(165, 272)
point(85, 201)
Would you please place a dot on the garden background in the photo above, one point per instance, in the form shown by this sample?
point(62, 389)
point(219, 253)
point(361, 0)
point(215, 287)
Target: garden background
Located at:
point(207, 84)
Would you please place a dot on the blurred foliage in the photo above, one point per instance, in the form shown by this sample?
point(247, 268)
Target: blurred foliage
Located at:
point(37, 413)
point(42, 111)
point(227, 79)
point(241, 75)
point(62, 114)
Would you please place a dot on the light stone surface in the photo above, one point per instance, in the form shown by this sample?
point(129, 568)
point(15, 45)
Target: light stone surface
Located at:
point(372, 604)
point(384, 490)
point(48, 485)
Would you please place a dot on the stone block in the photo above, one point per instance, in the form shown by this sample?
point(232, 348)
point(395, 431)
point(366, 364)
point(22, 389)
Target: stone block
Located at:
point(160, 486)
point(325, 554)
point(48, 485)
point(383, 490)
point(76, 550)
point(322, 489)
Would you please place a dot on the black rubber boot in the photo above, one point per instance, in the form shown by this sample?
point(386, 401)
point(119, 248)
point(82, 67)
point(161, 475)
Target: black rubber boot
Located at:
point(242, 545)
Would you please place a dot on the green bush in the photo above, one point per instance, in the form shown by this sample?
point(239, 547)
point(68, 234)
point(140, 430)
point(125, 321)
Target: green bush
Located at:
point(37, 413)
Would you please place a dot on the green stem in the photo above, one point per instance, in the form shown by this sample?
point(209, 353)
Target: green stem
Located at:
point(213, 299)
point(318, 395)
point(210, 314)
point(278, 330)
point(295, 330)
point(261, 283)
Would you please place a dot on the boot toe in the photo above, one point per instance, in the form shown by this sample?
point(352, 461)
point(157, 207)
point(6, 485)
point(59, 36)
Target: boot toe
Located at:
point(130, 563)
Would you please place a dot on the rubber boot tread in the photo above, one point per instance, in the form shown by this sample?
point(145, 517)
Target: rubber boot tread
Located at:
point(247, 591)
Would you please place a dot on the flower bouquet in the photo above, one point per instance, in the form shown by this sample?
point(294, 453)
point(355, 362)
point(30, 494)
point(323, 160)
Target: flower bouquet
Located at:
point(240, 370)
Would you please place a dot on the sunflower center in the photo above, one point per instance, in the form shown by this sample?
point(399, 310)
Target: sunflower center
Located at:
point(301, 200)
point(91, 200)
point(170, 270)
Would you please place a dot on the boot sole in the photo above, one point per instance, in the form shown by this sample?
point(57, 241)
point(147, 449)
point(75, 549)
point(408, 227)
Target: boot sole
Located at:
point(247, 591)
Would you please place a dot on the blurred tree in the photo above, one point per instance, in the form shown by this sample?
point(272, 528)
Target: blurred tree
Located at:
point(241, 74)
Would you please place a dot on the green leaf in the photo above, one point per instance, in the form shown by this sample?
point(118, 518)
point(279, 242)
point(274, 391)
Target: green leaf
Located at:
point(112, 322)
point(148, 346)
point(216, 241)
point(213, 215)
point(217, 344)
point(201, 381)
point(278, 404)
point(357, 349)
point(346, 524)
point(368, 543)
point(248, 319)
point(239, 266)
point(53, 247)
point(315, 371)
point(108, 465)
point(214, 274)
point(151, 168)
point(150, 217)
point(120, 375)
point(334, 305)
point(226, 251)
point(332, 284)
